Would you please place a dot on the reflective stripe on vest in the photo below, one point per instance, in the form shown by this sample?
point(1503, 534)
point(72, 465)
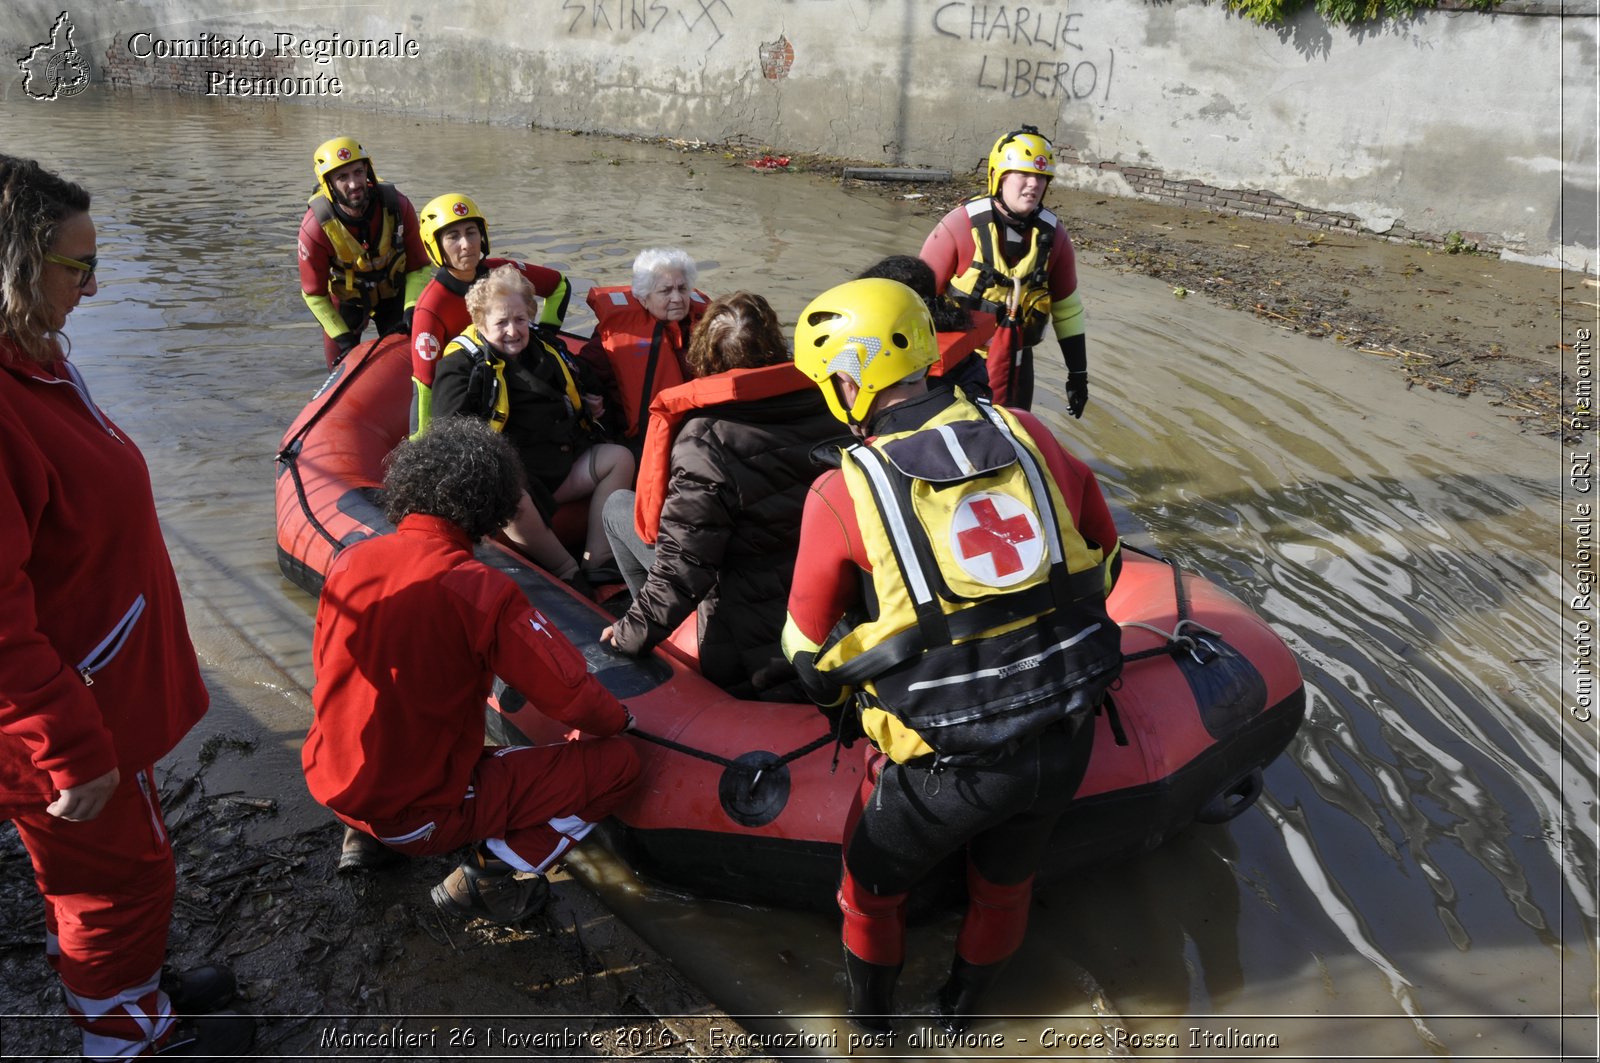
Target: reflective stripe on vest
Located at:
point(964, 658)
point(1014, 294)
point(355, 271)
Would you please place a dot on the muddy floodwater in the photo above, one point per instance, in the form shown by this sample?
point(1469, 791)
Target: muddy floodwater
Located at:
point(1417, 881)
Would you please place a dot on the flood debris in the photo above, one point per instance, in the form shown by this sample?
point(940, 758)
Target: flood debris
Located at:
point(893, 173)
point(342, 965)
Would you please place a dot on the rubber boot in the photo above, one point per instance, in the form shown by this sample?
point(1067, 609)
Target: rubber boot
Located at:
point(871, 993)
point(221, 1035)
point(957, 1001)
point(201, 990)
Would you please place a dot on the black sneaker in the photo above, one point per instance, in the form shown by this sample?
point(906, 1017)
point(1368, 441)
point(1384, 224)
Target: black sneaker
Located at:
point(201, 990)
point(224, 1035)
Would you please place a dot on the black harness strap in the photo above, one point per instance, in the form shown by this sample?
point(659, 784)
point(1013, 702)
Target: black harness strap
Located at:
point(650, 375)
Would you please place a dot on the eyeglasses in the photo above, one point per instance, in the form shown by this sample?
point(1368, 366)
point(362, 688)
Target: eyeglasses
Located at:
point(84, 266)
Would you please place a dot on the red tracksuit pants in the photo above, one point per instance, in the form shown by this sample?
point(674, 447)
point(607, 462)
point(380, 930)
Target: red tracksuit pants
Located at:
point(108, 885)
point(528, 804)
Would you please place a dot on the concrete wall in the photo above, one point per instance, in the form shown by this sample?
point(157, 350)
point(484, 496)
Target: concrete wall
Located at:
point(1453, 122)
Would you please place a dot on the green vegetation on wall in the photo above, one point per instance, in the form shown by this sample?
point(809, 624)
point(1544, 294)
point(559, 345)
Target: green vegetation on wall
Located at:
point(1342, 12)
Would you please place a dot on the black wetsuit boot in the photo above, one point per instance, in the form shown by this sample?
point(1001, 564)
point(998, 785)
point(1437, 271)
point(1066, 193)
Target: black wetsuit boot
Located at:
point(871, 993)
point(958, 998)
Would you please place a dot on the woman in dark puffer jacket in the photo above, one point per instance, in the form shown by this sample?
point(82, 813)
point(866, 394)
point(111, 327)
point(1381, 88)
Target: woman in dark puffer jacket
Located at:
point(716, 522)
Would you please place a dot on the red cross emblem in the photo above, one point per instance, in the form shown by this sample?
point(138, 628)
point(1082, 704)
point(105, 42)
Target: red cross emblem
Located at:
point(460, 209)
point(1038, 162)
point(996, 539)
point(344, 154)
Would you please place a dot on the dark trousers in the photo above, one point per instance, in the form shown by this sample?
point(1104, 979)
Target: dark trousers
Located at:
point(387, 314)
point(914, 817)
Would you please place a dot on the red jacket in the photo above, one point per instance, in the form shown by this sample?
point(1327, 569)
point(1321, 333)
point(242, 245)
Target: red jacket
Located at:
point(84, 580)
point(411, 631)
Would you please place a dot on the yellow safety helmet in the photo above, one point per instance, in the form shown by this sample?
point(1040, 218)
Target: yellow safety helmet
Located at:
point(443, 212)
point(1025, 150)
point(876, 331)
point(332, 154)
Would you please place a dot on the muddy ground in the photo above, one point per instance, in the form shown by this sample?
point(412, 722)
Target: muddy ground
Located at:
point(363, 966)
point(323, 957)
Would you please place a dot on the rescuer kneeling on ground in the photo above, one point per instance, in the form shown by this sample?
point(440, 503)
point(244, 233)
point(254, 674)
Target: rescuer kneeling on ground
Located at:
point(990, 552)
point(411, 631)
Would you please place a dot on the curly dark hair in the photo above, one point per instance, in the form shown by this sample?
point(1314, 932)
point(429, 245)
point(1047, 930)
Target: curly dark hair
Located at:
point(459, 469)
point(33, 204)
point(918, 276)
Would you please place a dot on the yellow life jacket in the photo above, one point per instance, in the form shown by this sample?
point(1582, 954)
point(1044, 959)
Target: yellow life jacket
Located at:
point(990, 620)
point(487, 394)
point(358, 274)
point(1015, 294)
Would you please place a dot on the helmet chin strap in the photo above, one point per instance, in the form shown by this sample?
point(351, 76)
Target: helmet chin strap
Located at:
point(1005, 208)
point(857, 428)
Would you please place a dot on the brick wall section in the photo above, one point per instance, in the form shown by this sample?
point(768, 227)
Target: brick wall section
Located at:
point(186, 75)
point(1254, 203)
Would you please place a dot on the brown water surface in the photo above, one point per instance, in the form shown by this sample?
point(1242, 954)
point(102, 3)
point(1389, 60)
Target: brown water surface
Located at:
point(1419, 878)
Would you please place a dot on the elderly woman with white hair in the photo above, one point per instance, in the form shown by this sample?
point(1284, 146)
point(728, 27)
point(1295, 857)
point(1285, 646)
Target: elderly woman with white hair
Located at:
point(641, 336)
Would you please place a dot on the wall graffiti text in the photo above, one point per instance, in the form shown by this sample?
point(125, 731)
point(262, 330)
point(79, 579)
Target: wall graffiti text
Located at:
point(647, 16)
point(1029, 51)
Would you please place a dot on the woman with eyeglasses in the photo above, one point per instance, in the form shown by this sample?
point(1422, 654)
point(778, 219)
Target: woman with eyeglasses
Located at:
point(98, 678)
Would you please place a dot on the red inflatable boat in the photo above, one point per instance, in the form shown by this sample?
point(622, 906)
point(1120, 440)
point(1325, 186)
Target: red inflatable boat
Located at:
point(742, 800)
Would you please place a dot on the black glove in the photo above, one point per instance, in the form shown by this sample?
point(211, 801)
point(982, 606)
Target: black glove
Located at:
point(404, 328)
point(346, 342)
point(1077, 393)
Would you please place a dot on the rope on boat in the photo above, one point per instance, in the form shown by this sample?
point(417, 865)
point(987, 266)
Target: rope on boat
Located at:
point(1176, 641)
point(290, 454)
point(714, 758)
point(305, 503)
